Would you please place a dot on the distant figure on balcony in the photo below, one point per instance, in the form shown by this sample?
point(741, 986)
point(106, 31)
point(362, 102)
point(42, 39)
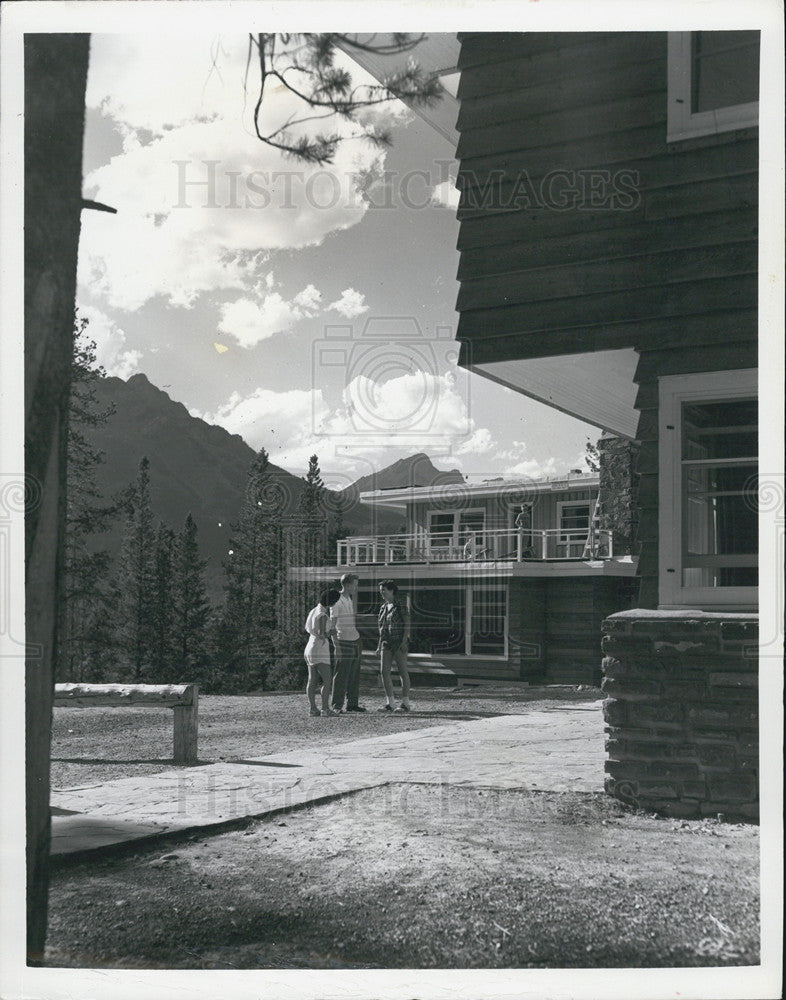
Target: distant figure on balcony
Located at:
point(346, 680)
point(473, 547)
point(523, 525)
point(317, 652)
point(393, 644)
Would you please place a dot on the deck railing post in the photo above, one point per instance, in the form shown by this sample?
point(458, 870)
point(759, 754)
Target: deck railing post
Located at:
point(543, 540)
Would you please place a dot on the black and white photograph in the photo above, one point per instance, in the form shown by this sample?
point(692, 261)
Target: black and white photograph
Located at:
point(392, 500)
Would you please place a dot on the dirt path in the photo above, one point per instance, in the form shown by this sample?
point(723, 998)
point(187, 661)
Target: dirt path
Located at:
point(423, 877)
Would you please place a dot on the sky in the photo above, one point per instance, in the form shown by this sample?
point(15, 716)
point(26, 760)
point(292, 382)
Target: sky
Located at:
point(308, 309)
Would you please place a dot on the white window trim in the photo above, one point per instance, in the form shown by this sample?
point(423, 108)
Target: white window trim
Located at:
point(562, 504)
point(680, 122)
point(674, 390)
point(456, 521)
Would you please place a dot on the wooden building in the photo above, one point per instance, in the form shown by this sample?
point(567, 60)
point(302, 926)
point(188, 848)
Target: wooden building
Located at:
point(609, 268)
point(505, 579)
point(609, 192)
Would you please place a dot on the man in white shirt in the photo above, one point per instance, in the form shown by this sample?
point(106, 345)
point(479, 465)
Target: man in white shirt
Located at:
point(346, 681)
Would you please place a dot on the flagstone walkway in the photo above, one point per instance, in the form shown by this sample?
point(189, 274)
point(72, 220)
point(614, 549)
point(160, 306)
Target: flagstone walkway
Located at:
point(556, 749)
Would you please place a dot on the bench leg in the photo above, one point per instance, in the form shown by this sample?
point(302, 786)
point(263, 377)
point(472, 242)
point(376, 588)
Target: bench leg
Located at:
point(186, 722)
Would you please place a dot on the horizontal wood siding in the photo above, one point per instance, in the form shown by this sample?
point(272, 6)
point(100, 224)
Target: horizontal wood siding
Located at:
point(682, 245)
point(497, 509)
point(575, 610)
point(582, 229)
point(527, 628)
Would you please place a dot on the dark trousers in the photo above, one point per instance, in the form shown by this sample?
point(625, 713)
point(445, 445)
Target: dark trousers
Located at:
point(346, 681)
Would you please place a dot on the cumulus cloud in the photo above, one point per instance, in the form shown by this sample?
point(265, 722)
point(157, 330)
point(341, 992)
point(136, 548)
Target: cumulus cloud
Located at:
point(110, 341)
point(445, 195)
point(351, 303)
point(373, 423)
point(200, 200)
point(251, 321)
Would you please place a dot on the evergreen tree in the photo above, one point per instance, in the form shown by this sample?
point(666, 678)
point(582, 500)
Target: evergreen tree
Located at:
point(162, 652)
point(83, 638)
point(312, 518)
point(310, 504)
point(136, 576)
point(338, 529)
point(305, 65)
point(191, 606)
point(253, 574)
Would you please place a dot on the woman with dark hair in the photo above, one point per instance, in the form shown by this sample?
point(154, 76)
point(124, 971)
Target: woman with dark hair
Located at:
point(317, 652)
point(393, 644)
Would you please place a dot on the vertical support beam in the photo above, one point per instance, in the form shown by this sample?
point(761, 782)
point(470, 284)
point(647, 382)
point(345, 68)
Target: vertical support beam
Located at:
point(186, 726)
point(55, 79)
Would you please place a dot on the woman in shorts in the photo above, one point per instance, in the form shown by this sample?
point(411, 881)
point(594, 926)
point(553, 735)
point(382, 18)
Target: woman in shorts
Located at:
point(317, 652)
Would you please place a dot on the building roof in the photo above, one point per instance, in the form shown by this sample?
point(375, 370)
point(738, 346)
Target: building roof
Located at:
point(517, 487)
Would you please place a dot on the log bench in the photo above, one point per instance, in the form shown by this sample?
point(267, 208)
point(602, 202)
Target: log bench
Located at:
point(182, 698)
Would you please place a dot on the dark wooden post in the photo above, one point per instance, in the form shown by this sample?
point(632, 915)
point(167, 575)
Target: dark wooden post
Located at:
point(55, 78)
point(186, 726)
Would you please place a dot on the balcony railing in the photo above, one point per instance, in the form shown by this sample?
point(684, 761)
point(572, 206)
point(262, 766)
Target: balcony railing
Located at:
point(500, 545)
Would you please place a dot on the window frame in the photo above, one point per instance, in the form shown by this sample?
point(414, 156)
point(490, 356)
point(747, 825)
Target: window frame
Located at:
point(454, 542)
point(681, 122)
point(561, 505)
point(673, 391)
point(467, 590)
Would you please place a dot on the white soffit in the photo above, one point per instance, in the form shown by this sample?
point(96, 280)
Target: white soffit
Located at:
point(437, 54)
point(596, 387)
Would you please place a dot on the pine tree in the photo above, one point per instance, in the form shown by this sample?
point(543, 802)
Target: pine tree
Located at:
point(338, 529)
point(253, 574)
point(191, 606)
point(312, 518)
point(83, 612)
point(162, 649)
point(304, 64)
point(136, 576)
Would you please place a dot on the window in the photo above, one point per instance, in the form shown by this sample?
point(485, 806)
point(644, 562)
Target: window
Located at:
point(459, 621)
point(713, 82)
point(708, 524)
point(451, 530)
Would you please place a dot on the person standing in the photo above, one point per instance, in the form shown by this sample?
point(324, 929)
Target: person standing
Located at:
point(393, 644)
point(317, 653)
point(348, 644)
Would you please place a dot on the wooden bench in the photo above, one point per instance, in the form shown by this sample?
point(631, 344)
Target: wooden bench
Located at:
point(183, 698)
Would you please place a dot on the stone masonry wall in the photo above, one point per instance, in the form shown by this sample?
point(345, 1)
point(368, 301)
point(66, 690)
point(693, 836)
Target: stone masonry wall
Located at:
point(682, 712)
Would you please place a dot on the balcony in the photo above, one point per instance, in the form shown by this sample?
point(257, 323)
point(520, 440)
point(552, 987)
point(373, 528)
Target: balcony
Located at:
point(501, 545)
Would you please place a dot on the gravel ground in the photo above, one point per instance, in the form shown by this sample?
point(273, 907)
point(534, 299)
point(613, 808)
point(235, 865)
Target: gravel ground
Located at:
point(99, 744)
point(422, 877)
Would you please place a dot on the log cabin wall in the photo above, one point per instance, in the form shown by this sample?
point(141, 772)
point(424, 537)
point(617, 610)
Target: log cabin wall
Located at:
point(583, 229)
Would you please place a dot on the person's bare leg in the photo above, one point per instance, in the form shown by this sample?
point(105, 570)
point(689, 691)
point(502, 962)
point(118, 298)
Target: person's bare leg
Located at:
point(385, 661)
point(324, 671)
point(401, 663)
point(311, 688)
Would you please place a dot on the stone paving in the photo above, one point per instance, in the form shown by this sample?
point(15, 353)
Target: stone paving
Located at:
point(560, 749)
